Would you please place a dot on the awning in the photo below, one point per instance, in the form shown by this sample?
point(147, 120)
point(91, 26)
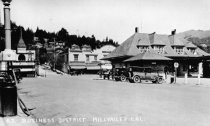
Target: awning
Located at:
point(106, 66)
point(77, 67)
point(93, 68)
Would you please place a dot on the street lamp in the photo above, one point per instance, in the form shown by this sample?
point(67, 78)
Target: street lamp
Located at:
point(6, 2)
point(7, 54)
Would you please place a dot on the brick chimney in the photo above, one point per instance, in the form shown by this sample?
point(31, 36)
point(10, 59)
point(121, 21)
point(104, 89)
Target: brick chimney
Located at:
point(173, 32)
point(136, 30)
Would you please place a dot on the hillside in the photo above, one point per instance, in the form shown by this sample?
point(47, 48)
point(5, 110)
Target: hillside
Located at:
point(195, 34)
point(200, 38)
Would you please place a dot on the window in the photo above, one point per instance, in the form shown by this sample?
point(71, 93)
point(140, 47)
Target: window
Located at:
point(87, 58)
point(159, 49)
point(143, 48)
point(192, 50)
point(29, 57)
point(179, 50)
point(95, 58)
point(76, 57)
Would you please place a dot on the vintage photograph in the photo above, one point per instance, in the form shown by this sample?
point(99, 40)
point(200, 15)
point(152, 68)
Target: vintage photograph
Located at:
point(104, 62)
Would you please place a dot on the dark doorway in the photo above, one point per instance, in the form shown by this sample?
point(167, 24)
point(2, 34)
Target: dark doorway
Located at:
point(21, 57)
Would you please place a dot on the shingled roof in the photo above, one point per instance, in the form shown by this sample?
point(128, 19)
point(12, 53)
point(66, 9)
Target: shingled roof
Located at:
point(157, 39)
point(190, 45)
point(129, 47)
point(149, 55)
point(176, 40)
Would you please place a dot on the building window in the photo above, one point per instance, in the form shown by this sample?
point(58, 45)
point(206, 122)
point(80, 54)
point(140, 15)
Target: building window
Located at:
point(87, 58)
point(29, 57)
point(143, 49)
point(76, 57)
point(179, 50)
point(95, 58)
point(192, 50)
point(159, 49)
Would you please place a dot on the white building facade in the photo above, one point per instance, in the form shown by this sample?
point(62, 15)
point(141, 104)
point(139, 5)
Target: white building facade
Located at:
point(86, 58)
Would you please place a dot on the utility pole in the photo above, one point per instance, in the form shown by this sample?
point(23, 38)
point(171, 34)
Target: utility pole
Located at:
point(54, 54)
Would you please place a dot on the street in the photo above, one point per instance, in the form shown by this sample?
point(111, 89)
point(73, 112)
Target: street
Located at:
point(86, 100)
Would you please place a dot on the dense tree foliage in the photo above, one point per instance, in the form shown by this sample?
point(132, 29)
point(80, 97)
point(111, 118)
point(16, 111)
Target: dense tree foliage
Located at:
point(46, 37)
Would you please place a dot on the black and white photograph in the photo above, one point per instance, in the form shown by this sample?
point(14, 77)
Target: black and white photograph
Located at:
point(104, 62)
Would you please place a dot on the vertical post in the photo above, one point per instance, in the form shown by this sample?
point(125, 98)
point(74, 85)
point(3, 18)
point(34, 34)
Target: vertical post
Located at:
point(54, 53)
point(7, 25)
point(175, 75)
point(199, 73)
point(186, 77)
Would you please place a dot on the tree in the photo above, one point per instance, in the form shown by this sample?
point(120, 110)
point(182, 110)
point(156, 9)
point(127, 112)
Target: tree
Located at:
point(63, 35)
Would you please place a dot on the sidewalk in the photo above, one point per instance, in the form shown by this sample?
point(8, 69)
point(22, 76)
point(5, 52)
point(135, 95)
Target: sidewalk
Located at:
point(20, 120)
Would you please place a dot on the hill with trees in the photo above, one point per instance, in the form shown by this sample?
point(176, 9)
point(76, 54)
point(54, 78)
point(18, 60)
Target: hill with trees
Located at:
point(46, 37)
point(200, 38)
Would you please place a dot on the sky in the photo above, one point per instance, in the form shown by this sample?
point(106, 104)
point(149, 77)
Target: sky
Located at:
point(115, 19)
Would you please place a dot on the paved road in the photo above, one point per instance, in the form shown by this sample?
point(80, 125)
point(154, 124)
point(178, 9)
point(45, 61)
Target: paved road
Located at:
point(88, 101)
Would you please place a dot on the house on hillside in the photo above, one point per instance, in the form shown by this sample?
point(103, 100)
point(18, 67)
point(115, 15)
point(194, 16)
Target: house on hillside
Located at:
point(142, 49)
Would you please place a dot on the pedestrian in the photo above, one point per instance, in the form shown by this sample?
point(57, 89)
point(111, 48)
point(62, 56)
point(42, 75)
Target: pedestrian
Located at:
point(166, 71)
point(130, 73)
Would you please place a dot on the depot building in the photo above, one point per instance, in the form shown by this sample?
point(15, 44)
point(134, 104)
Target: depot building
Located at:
point(161, 51)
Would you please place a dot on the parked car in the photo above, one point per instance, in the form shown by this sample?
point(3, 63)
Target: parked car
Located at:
point(120, 74)
point(137, 74)
point(107, 74)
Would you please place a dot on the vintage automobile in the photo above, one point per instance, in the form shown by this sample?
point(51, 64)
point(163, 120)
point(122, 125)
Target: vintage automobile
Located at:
point(137, 74)
point(107, 74)
point(120, 74)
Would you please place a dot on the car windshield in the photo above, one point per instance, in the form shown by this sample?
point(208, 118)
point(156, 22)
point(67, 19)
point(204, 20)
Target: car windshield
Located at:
point(148, 70)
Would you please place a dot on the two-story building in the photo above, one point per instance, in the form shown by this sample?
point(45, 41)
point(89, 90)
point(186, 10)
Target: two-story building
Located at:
point(85, 58)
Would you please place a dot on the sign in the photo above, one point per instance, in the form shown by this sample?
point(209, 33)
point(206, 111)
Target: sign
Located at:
point(176, 65)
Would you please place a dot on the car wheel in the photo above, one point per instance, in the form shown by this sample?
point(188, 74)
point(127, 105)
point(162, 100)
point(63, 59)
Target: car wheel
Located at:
point(123, 78)
point(137, 79)
point(160, 80)
point(131, 81)
point(154, 81)
point(117, 79)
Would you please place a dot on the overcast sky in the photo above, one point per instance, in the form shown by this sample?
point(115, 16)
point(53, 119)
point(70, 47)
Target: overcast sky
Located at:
point(113, 18)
